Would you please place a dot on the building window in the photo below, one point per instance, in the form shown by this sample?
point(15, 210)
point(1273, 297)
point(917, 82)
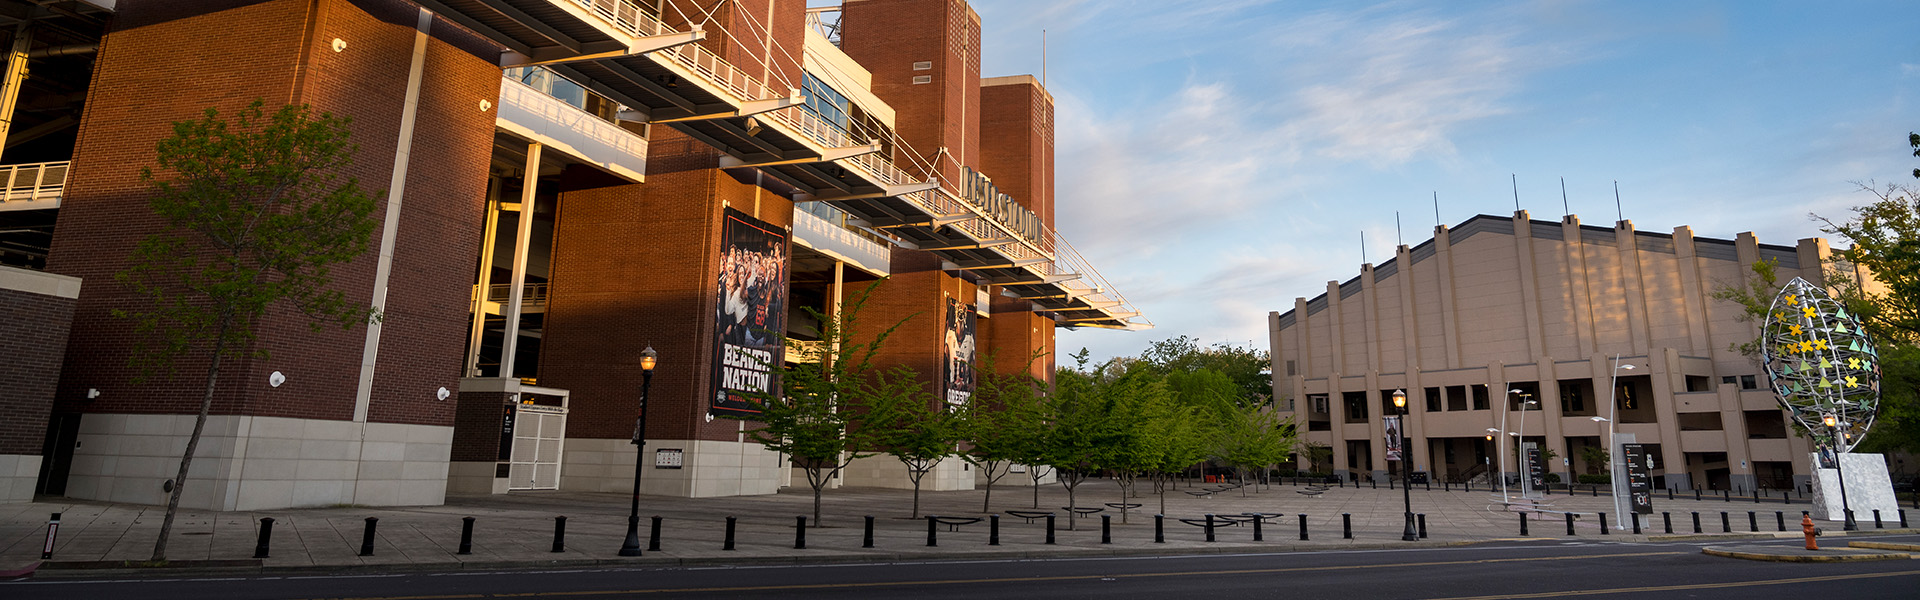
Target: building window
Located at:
point(1289, 368)
point(1433, 399)
point(1356, 405)
point(829, 104)
point(1571, 401)
point(1627, 399)
point(1748, 382)
point(1457, 398)
point(1730, 380)
point(1480, 401)
point(922, 79)
point(1318, 403)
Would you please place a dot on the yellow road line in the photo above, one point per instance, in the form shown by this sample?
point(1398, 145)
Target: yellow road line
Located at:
point(1688, 586)
point(872, 584)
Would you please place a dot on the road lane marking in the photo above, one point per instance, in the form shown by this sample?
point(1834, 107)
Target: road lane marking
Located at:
point(1040, 578)
point(1687, 586)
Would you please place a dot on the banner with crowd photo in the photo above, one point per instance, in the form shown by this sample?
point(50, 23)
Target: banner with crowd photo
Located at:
point(1393, 437)
point(750, 312)
point(957, 351)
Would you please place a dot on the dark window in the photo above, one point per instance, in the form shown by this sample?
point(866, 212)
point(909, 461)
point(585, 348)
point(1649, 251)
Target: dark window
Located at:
point(1480, 401)
point(1433, 399)
point(1289, 368)
point(1626, 397)
point(1699, 383)
point(1730, 379)
point(1356, 405)
point(1317, 403)
point(828, 103)
point(1571, 400)
point(1747, 382)
point(1457, 397)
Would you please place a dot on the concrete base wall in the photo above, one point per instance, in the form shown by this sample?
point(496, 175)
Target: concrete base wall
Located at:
point(885, 471)
point(1023, 478)
point(1869, 487)
point(260, 463)
point(709, 468)
point(18, 474)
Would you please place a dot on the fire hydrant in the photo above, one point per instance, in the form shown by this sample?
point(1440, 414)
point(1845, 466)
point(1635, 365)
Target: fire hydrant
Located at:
point(1806, 526)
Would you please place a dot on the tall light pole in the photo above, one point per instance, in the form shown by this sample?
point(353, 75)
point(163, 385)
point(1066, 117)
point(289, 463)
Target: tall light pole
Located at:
point(1498, 437)
point(1406, 479)
point(1613, 446)
point(632, 545)
point(1833, 429)
point(1520, 437)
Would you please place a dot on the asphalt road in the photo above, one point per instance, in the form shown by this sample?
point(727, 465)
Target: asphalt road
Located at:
point(1518, 569)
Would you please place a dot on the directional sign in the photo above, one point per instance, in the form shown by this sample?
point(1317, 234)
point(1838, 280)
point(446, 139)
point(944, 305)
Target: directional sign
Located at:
point(1639, 477)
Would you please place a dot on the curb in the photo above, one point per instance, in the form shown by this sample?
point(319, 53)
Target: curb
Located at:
point(20, 572)
point(1821, 558)
point(710, 561)
point(1885, 546)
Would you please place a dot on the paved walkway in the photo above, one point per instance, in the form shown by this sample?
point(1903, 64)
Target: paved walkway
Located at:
point(516, 530)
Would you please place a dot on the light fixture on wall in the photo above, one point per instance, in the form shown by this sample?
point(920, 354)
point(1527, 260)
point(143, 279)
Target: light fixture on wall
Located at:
point(276, 378)
point(442, 393)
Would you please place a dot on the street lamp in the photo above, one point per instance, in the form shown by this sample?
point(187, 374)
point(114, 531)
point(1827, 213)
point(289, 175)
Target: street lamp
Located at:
point(1406, 479)
point(1833, 430)
point(647, 359)
point(1500, 456)
point(1518, 438)
point(1614, 475)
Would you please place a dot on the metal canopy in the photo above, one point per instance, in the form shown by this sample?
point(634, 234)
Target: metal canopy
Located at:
point(620, 51)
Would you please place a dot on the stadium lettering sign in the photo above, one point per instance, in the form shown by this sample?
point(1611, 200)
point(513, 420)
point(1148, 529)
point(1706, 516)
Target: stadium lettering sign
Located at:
point(978, 189)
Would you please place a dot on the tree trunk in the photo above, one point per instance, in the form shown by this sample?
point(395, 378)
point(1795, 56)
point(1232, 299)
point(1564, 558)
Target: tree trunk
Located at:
point(819, 483)
point(193, 441)
point(1163, 495)
point(1034, 472)
point(986, 506)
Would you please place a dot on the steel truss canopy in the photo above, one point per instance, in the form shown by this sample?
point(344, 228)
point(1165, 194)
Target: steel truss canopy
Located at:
point(623, 52)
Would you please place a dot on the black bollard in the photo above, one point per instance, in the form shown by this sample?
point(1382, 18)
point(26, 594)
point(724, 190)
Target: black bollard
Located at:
point(1876, 519)
point(1725, 525)
point(800, 533)
point(1603, 523)
point(1159, 529)
point(466, 535)
point(1780, 520)
point(1595, 488)
point(1753, 522)
point(266, 538)
point(866, 537)
point(1209, 527)
point(1635, 517)
point(1446, 486)
point(728, 544)
point(559, 534)
point(1429, 485)
point(1903, 517)
point(1726, 495)
point(1696, 494)
point(366, 539)
point(1256, 528)
point(1049, 528)
point(1374, 482)
point(1523, 524)
point(1422, 518)
point(1696, 522)
point(653, 537)
point(1346, 526)
point(1569, 523)
point(993, 529)
point(1303, 527)
point(1669, 493)
point(1756, 496)
point(1106, 529)
point(1667, 519)
point(931, 542)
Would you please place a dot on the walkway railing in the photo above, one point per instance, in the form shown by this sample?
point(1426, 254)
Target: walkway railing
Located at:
point(33, 186)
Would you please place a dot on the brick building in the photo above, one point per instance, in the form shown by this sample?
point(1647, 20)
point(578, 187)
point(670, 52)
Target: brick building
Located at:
point(1503, 329)
point(563, 184)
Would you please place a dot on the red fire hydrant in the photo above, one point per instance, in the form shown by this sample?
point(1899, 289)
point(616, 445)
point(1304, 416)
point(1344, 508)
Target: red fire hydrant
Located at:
point(1806, 526)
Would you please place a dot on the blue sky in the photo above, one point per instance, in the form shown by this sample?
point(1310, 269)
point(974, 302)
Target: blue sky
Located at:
point(1217, 158)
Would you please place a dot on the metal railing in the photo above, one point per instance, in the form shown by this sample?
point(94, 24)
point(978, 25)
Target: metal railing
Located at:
point(33, 183)
point(531, 295)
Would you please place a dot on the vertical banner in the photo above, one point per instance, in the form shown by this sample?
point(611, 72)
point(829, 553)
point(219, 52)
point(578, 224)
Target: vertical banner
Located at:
point(1536, 471)
point(1393, 437)
point(957, 352)
point(1639, 477)
point(750, 314)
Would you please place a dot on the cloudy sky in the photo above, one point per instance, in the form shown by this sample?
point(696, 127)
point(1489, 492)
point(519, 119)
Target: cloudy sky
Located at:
point(1218, 158)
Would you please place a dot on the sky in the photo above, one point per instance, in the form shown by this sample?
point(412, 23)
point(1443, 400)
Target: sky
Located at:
point(1218, 158)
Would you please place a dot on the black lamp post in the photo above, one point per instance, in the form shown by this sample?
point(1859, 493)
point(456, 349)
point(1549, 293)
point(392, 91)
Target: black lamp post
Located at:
point(1406, 474)
point(632, 545)
point(1833, 429)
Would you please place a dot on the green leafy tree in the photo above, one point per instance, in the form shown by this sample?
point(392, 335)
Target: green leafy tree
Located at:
point(1251, 437)
point(1182, 437)
point(1137, 404)
point(1003, 419)
point(257, 215)
point(1250, 369)
point(812, 420)
point(906, 422)
point(1080, 435)
point(1596, 458)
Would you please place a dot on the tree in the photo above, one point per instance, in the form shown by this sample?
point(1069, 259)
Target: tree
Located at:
point(1002, 420)
point(1137, 406)
point(1596, 457)
point(902, 420)
point(1251, 437)
point(812, 418)
point(1080, 436)
point(257, 215)
point(1182, 437)
point(1249, 369)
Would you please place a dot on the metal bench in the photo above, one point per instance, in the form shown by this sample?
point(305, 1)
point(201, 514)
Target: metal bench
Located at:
point(953, 523)
point(1029, 515)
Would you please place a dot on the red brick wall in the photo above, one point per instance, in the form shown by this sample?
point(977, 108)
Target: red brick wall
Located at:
point(168, 61)
point(637, 266)
point(1016, 144)
point(476, 427)
point(887, 37)
point(33, 336)
point(737, 32)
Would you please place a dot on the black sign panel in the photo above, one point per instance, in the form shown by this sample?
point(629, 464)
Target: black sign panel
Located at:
point(1536, 472)
point(1639, 477)
point(509, 411)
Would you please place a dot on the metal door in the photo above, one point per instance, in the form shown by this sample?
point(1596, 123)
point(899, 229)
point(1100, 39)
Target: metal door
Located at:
point(538, 438)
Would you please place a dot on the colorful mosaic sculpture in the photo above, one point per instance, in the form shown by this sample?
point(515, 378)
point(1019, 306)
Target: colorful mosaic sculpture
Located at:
point(1821, 362)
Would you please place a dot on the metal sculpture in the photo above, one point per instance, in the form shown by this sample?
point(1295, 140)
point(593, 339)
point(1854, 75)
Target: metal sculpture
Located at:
point(1821, 362)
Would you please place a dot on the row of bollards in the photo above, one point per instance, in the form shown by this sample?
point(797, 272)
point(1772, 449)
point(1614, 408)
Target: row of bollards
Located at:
point(262, 547)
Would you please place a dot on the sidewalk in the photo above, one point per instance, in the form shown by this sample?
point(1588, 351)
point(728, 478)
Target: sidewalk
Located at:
point(517, 530)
